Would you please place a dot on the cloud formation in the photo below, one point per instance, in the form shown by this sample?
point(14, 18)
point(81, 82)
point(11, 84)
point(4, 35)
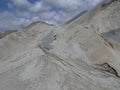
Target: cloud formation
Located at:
point(23, 12)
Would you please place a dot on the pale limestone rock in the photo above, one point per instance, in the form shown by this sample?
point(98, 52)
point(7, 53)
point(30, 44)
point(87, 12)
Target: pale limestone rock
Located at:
point(80, 55)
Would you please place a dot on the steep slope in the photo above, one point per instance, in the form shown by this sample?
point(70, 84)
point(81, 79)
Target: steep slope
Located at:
point(68, 57)
point(7, 32)
point(1, 35)
point(92, 31)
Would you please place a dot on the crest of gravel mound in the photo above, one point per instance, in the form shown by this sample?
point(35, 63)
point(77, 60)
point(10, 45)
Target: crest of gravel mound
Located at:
point(82, 54)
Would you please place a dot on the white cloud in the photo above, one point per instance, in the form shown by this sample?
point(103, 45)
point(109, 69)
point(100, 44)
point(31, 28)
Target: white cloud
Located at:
point(10, 21)
point(37, 6)
point(20, 21)
point(69, 5)
point(23, 12)
point(94, 2)
point(21, 2)
point(66, 4)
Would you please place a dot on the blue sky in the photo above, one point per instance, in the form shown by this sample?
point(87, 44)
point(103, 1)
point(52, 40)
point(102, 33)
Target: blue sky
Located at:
point(15, 14)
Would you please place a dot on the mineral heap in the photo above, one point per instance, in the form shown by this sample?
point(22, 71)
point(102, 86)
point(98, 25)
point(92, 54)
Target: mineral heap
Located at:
point(82, 54)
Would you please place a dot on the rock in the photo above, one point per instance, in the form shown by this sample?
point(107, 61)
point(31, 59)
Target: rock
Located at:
point(80, 55)
point(7, 32)
point(1, 35)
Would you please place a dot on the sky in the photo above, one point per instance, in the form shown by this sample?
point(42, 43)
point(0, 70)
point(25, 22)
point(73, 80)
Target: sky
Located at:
point(15, 14)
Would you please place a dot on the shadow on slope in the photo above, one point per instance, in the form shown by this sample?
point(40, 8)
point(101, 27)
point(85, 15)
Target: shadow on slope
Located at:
point(112, 38)
point(74, 18)
point(113, 35)
point(5, 33)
